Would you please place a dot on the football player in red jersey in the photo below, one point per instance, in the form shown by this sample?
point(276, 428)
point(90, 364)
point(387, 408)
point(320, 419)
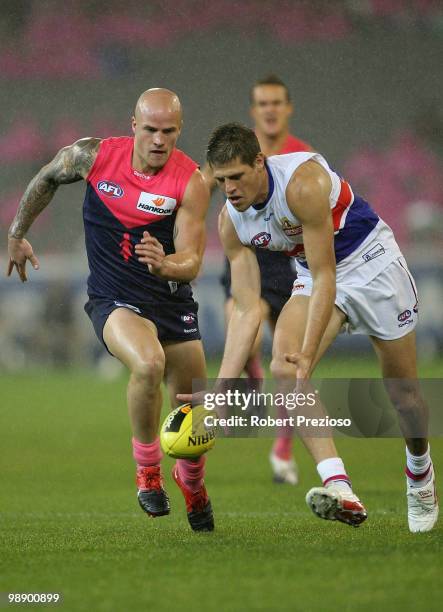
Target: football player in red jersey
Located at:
point(144, 217)
point(271, 109)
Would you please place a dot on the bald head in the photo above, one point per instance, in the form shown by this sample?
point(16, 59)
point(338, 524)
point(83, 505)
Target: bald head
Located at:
point(157, 101)
point(156, 124)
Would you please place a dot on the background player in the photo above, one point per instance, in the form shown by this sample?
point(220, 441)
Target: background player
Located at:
point(350, 269)
point(271, 109)
point(144, 213)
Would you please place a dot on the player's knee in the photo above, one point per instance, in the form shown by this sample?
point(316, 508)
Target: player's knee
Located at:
point(405, 396)
point(281, 369)
point(149, 367)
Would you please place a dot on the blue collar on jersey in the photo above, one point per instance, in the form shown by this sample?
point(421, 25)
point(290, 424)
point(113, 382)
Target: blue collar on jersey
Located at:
point(261, 205)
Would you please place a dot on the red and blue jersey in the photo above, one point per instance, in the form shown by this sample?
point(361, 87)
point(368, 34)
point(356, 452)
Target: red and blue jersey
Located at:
point(120, 204)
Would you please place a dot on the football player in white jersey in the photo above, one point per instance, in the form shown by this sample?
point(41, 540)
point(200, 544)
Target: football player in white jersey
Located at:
point(350, 270)
point(271, 108)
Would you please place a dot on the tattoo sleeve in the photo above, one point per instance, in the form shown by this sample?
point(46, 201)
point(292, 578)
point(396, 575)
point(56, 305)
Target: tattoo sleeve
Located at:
point(71, 164)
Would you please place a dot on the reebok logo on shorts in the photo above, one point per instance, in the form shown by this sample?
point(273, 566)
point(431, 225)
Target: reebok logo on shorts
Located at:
point(189, 319)
point(404, 315)
point(376, 251)
point(405, 318)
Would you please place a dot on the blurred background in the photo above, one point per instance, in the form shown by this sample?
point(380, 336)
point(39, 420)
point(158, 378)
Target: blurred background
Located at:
point(366, 81)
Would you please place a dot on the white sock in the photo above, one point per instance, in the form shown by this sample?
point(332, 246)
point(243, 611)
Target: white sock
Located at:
point(332, 472)
point(418, 468)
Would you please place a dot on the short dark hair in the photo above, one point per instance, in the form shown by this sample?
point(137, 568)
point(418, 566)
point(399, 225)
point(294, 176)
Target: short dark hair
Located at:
point(230, 141)
point(271, 79)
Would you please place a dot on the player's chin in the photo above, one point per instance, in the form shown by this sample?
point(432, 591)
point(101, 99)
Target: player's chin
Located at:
point(241, 204)
point(158, 160)
point(235, 200)
point(272, 128)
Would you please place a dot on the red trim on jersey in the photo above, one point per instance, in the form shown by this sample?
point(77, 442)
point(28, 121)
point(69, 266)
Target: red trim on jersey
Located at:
point(126, 247)
point(294, 145)
point(344, 202)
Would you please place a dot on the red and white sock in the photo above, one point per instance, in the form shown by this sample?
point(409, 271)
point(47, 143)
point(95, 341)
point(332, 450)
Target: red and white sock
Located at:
point(146, 455)
point(332, 472)
point(192, 472)
point(418, 468)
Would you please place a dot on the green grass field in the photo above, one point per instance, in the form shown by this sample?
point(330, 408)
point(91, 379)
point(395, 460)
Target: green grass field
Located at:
point(70, 522)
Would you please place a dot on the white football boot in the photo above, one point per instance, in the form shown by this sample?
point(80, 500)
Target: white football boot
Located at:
point(422, 506)
point(284, 472)
point(336, 504)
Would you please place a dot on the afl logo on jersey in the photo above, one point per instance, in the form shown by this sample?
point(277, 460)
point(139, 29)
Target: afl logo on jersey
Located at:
point(110, 189)
point(261, 240)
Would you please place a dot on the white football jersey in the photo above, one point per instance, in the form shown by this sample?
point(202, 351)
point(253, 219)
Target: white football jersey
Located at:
point(271, 224)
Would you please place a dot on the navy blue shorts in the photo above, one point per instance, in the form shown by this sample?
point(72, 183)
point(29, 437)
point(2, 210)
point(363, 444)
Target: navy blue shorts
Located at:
point(176, 322)
point(277, 278)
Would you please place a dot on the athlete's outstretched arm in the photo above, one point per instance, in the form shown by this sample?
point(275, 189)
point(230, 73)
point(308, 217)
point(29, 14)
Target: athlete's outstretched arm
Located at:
point(71, 164)
point(307, 195)
point(245, 288)
point(189, 237)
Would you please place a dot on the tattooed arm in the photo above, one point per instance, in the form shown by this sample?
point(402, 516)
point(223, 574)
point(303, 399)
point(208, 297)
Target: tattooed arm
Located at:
point(71, 164)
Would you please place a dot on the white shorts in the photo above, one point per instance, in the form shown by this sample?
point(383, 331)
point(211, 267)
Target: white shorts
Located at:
point(386, 307)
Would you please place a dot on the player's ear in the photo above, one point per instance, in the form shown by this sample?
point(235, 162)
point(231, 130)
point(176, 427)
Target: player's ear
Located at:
point(259, 161)
point(133, 124)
